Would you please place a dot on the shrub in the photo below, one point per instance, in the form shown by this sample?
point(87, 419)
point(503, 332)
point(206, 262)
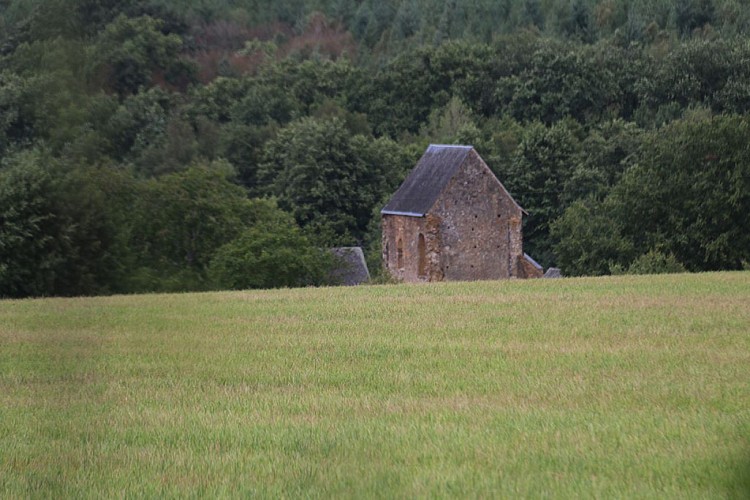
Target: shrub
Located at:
point(654, 262)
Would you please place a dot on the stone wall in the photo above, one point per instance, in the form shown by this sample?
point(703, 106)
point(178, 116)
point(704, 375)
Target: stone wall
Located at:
point(480, 226)
point(407, 230)
point(527, 270)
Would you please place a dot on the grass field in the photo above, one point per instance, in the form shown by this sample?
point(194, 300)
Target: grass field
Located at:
point(609, 387)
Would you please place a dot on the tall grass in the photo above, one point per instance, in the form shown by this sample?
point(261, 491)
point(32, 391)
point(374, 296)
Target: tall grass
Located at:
point(610, 387)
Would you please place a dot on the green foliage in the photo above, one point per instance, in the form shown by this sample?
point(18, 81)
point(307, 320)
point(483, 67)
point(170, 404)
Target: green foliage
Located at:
point(560, 81)
point(701, 72)
point(617, 125)
point(538, 179)
point(690, 15)
point(407, 21)
point(182, 219)
point(689, 192)
point(587, 241)
point(16, 118)
point(328, 179)
point(132, 52)
point(32, 237)
point(271, 253)
point(451, 124)
point(531, 14)
point(654, 262)
point(685, 195)
point(63, 231)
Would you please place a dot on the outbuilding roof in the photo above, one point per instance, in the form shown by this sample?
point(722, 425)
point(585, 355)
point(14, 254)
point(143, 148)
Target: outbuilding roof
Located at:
point(532, 261)
point(351, 267)
point(427, 180)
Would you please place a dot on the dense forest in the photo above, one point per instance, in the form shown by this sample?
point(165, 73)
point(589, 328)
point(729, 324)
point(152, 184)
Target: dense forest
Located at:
point(172, 145)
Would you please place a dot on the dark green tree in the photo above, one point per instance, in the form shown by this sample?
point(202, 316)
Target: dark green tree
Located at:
point(689, 193)
point(541, 167)
point(692, 14)
point(133, 52)
point(560, 81)
point(328, 179)
point(408, 20)
point(531, 14)
point(33, 237)
point(589, 241)
point(271, 253)
point(182, 219)
point(63, 230)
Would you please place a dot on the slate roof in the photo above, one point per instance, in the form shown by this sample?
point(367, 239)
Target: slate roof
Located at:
point(427, 180)
point(532, 262)
point(351, 268)
point(553, 272)
point(424, 184)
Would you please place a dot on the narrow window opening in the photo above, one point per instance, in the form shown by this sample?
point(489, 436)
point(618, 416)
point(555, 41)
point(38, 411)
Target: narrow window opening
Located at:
point(400, 253)
point(422, 250)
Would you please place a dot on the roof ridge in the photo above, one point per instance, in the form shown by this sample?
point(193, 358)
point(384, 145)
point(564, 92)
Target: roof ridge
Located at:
point(461, 146)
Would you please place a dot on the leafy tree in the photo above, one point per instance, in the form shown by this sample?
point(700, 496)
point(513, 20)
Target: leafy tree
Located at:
point(560, 81)
point(407, 22)
point(453, 123)
point(588, 240)
point(138, 124)
point(692, 14)
point(328, 179)
point(271, 253)
point(700, 72)
point(62, 231)
point(689, 192)
point(32, 236)
point(183, 218)
point(577, 22)
point(133, 53)
point(531, 14)
point(607, 151)
point(654, 262)
point(94, 203)
point(16, 115)
point(444, 30)
point(541, 167)
point(400, 98)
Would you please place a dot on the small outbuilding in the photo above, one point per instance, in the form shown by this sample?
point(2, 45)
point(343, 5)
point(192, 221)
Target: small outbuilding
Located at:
point(452, 219)
point(552, 273)
point(350, 267)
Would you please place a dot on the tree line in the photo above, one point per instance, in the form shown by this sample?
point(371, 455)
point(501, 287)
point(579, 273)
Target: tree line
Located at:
point(223, 145)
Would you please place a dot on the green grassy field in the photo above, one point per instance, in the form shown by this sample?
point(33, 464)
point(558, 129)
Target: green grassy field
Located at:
point(609, 387)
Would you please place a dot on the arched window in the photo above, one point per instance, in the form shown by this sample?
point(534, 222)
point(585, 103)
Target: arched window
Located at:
point(421, 248)
point(400, 253)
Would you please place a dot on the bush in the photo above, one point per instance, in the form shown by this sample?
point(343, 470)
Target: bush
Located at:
point(655, 262)
point(270, 254)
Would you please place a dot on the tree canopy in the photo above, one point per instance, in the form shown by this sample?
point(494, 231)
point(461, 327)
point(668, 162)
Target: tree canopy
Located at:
point(153, 145)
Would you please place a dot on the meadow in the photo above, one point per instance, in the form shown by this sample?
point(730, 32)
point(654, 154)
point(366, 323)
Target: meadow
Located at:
point(597, 387)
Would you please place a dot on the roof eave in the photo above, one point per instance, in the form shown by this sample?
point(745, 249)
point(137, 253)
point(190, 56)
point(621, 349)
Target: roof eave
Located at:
point(396, 212)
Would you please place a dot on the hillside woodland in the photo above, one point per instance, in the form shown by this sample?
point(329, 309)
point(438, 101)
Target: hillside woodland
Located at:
point(172, 145)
